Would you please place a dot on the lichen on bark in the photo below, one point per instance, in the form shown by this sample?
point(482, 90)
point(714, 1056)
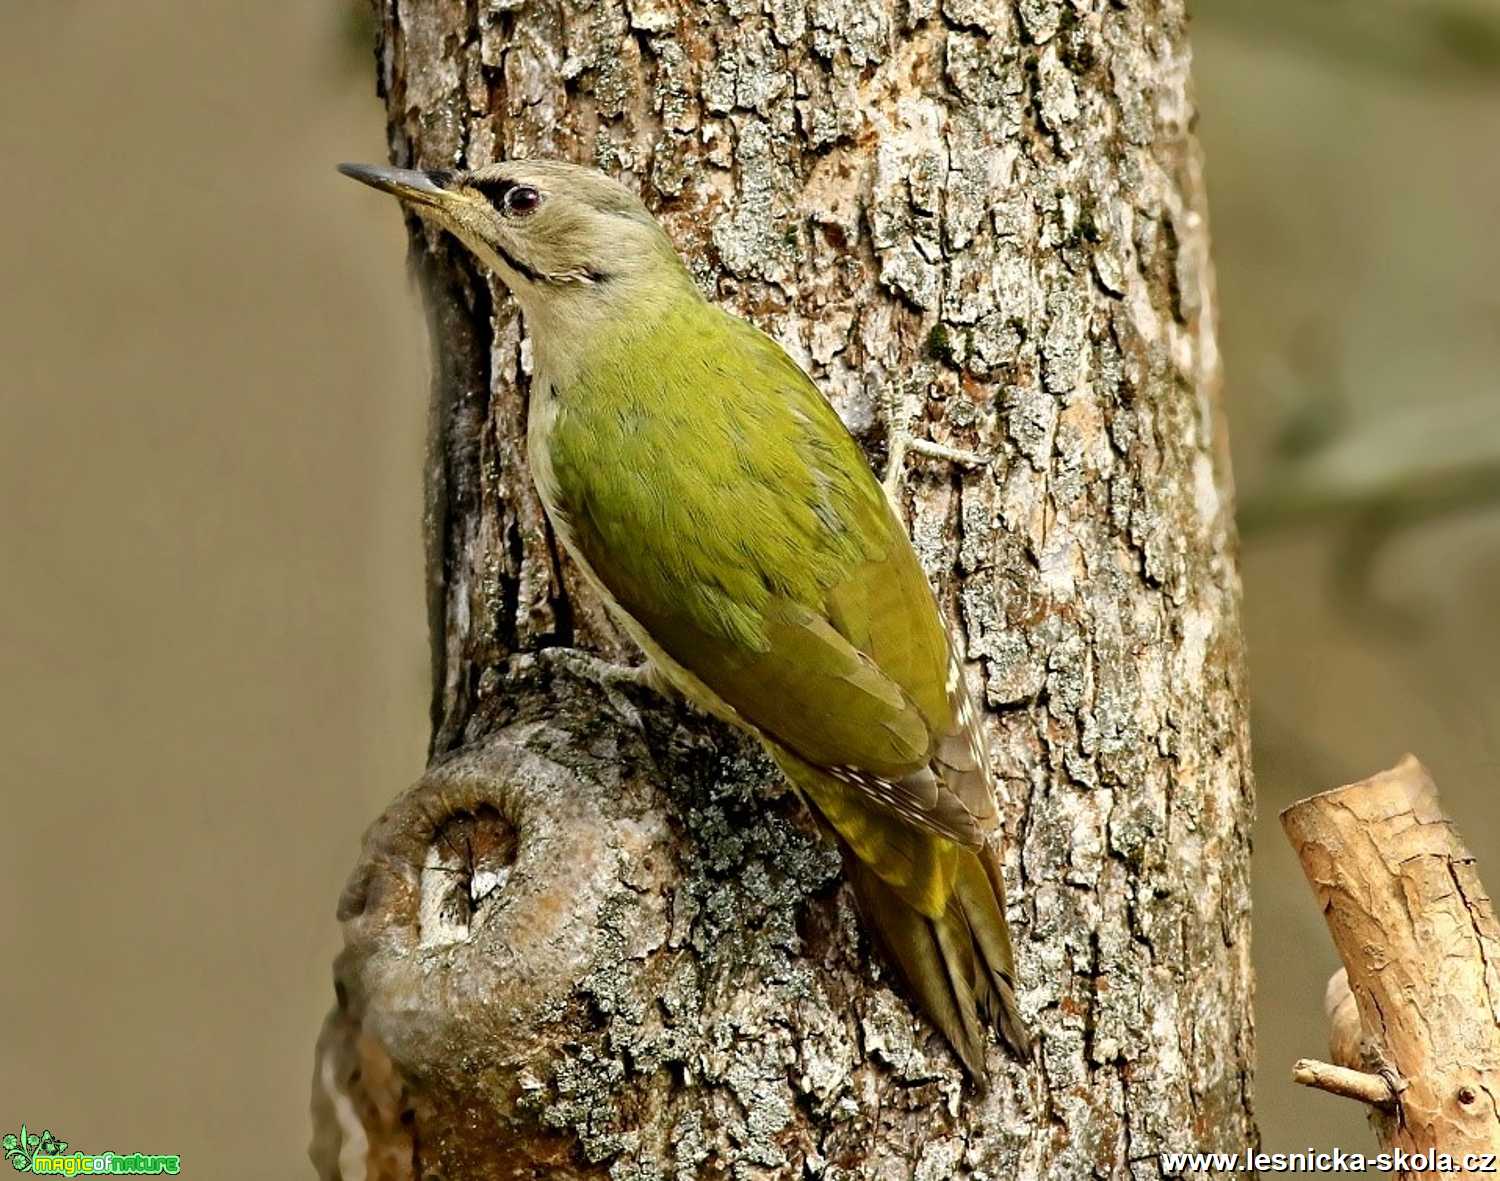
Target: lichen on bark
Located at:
point(980, 223)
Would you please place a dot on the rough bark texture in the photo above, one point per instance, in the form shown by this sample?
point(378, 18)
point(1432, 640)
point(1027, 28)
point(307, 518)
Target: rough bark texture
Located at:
point(983, 223)
point(1421, 948)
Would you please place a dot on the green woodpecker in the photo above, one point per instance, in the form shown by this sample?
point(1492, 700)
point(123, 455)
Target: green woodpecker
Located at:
point(718, 504)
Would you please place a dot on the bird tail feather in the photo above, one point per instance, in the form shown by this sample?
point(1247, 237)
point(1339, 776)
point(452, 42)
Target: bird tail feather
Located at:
point(958, 965)
point(936, 907)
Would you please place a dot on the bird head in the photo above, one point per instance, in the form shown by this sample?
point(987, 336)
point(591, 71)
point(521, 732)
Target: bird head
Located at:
point(564, 238)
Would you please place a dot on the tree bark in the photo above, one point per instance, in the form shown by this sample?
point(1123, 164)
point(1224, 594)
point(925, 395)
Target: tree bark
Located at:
point(598, 939)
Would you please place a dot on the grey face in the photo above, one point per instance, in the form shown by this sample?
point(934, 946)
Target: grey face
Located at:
point(540, 224)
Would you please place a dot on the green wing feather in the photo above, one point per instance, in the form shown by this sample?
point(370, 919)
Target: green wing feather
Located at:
point(719, 499)
point(744, 531)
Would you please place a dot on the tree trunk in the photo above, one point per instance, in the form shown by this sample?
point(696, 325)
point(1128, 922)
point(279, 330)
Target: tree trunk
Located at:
point(599, 939)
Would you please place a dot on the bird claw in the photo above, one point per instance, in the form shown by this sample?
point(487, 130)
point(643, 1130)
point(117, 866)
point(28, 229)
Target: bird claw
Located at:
point(903, 444)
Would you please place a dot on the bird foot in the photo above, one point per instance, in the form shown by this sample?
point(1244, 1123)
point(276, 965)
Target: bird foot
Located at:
point(645, 676)
point(904, 444)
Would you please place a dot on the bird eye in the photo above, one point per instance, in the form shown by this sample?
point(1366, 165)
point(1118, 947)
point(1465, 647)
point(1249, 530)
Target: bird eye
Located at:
point(521, 200)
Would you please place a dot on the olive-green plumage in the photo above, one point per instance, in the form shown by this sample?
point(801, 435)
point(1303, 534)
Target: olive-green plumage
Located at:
point(716, 500)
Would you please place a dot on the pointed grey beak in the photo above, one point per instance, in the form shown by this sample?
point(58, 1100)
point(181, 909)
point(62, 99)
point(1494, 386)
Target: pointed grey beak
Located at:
point(424, 188)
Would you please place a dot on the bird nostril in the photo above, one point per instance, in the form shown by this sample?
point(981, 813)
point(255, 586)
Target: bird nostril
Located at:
point(468, 862)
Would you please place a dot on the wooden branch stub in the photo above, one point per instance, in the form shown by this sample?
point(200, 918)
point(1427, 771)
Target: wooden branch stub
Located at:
point(1374, 1089)
point(1421, 947)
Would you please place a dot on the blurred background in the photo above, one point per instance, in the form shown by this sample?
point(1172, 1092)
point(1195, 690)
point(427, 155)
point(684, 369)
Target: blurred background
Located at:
point(211, 413)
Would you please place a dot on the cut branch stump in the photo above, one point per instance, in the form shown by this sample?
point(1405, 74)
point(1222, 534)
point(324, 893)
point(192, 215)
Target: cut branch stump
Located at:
point(1420, 1042)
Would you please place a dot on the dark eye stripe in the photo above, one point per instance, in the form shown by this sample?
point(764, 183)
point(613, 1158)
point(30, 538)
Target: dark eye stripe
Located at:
point(495, 190)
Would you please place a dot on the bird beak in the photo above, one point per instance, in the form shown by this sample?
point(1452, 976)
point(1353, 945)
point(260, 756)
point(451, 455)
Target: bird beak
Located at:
point(418, 188)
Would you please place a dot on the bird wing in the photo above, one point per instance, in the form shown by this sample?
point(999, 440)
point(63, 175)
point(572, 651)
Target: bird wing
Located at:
point(737, 522)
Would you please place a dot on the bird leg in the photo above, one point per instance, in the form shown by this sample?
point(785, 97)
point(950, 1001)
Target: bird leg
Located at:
point(903, 443)
point(648, 675)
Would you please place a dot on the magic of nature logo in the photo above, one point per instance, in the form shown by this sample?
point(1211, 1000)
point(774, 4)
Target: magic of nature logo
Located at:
point(44, 1153)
